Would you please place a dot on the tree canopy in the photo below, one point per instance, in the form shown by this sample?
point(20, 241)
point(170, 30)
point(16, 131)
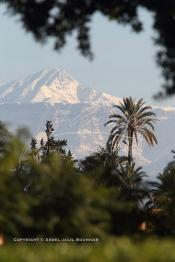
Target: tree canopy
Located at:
point(60, 18)
point(103, 195)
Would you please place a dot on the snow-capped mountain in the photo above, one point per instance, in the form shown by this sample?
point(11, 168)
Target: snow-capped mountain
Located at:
point(51, 86)
point(78, 114)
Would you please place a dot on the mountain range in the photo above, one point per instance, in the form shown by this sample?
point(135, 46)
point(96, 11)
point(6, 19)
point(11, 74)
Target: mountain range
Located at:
point(78, 114)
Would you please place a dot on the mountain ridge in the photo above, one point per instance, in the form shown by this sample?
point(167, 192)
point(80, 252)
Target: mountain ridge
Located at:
point(54, 86)
point(51, 86)
point(78, 114)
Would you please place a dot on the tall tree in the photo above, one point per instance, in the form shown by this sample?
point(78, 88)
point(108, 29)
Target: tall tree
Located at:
point(103, 165)
point(133, 118)
point(109, 162)
point(130, 181)
point(51, 145)
point(163, 201)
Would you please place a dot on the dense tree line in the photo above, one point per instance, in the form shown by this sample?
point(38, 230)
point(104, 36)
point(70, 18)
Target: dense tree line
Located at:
point(49, 193)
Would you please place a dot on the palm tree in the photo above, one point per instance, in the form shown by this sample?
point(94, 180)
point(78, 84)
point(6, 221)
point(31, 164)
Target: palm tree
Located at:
point(103, 165)
point(162, 206)
point(164, 189)
point(130, 181)
point(109, 157)
point(109, 160)
point(134, 118)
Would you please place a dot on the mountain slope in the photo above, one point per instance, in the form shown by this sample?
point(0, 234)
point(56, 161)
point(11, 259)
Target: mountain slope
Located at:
point(78, 114)
point(51, 86)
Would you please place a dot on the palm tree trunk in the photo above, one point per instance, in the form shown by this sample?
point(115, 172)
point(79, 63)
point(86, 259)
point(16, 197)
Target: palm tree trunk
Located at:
point(130, 142)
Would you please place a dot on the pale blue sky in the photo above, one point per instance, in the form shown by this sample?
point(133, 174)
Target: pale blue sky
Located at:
point(123, 63)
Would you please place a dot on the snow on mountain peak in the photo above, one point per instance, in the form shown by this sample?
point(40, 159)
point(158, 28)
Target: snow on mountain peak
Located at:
point(78, 115)
point(51, 86)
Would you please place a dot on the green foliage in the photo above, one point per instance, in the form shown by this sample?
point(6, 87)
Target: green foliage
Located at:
point(45, 193)
point(164, 202)
point(14, 204)
point(49, 145)
point(133, 118)
point(97, 168)
point(54, 198)
point(66, 202)
point(111, 250)
point(131, 183)
point(63, 203)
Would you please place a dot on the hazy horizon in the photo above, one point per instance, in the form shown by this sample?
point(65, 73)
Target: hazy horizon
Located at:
point(121, 66)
